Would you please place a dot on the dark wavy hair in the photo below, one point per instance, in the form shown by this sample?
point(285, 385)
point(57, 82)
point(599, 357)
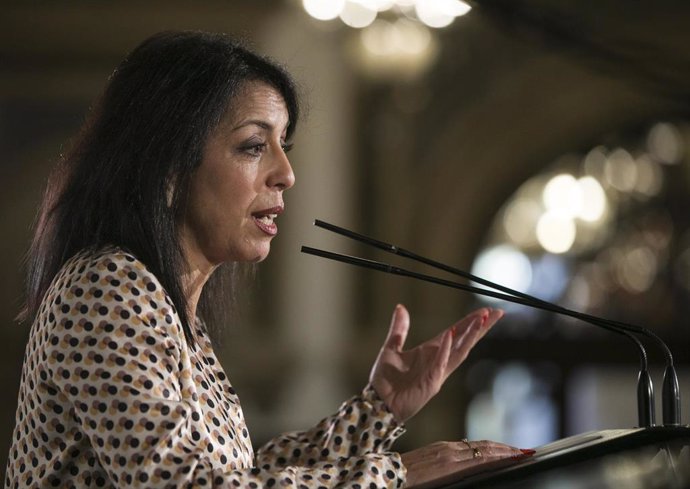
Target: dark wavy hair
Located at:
point(128, 173)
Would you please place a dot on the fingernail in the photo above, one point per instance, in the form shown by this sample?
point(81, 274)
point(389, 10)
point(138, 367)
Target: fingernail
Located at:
point(526, 452)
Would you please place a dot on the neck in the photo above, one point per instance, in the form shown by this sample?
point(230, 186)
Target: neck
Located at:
point(193, 283)
point(198, 271)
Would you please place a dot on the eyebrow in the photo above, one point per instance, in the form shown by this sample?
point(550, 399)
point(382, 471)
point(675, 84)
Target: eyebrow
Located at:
point(256, 122)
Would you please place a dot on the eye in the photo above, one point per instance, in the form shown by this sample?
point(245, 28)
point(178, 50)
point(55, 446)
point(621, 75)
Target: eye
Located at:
point(255, 149)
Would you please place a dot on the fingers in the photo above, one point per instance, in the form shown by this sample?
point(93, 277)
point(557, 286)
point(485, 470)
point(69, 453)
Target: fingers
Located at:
point(443, 462)
point(440, 367)
point(487, 316)
point(397, 333)
point(490, 450)
point(458, 451)
point(494, 316)
point(468, 331)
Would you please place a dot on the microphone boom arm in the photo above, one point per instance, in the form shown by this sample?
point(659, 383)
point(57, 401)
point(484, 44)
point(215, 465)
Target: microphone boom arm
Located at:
point(670, 390)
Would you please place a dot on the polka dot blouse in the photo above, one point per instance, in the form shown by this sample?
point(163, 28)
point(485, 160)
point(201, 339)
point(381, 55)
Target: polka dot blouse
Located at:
point(112, 395)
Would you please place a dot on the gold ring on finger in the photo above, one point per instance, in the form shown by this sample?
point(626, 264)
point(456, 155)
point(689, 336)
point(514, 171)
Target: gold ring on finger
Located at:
point(476, 453)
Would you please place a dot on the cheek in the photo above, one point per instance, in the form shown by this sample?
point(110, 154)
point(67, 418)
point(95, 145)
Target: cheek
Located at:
point(230, 194)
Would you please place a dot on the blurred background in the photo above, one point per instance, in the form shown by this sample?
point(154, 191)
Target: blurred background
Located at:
point(542, 144)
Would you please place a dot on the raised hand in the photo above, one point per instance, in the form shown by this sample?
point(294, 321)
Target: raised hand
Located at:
point(407, 379)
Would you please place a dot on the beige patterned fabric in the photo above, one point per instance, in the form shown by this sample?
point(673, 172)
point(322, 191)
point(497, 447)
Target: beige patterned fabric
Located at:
point(112, 395)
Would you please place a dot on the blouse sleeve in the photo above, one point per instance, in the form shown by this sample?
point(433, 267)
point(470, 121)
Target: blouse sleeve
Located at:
point(363, 425)
point(119, 362)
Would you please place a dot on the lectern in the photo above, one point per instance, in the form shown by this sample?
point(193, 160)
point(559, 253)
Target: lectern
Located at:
point(641, 458)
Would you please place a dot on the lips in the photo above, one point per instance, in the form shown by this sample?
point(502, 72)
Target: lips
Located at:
point(264, 219)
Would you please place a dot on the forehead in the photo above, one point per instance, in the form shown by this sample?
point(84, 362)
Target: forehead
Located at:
point(257, 101)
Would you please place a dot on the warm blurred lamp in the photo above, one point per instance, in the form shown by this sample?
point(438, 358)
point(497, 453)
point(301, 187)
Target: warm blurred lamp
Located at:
point(395, 37)
point(649, 176)
point(402, 48)
point(593, 199)
point(357, 14)
point(665, 143)
point(440, 13)
point(636, 268)
point(620, 170)
point(324, 9)
point(433, 13)
point(556, 232)
point(563, 195)
point(520, 221)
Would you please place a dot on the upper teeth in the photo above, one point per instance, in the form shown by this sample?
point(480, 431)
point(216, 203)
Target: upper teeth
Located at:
point(268, 217)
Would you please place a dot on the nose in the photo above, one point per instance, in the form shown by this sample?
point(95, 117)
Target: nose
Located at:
point(281, 175)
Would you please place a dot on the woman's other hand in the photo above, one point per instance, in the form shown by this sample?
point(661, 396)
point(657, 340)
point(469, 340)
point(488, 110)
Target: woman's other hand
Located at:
point(445, 462)
point(407, 379)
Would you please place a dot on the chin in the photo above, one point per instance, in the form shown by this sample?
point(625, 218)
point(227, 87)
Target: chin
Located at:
point(252, 252)
point(257, 256)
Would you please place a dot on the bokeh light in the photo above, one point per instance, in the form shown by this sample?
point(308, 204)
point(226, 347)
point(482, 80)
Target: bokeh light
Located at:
point(357, 14)
point(401, 48)
point(520, 221)
point(594, 163)
point(636, 268)
point(324, 9)
point(665, 143)
point(594, 201)
point(556, 232)
point(504, 265)
point(376, 5)
point(440, 13)
point(620, 170)
point(562, 195)
point(649, 176)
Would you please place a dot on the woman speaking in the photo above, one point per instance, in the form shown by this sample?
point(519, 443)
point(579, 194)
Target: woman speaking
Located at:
point(177, 179)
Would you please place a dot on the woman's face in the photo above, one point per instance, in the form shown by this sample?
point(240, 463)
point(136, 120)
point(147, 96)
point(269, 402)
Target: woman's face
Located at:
point(237, 191)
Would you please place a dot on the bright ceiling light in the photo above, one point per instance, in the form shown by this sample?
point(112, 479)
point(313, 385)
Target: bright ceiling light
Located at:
point(562, 195)
point(323, 9)
point(376, 5)
point(556, 232)
point(357, 15)
point(434, 13)
point(594, 201)
point(456, 7)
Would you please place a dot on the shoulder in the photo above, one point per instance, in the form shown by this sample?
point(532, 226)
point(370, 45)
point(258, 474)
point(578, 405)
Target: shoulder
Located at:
point(111, 284)
point(92, 264)
point(109, 267)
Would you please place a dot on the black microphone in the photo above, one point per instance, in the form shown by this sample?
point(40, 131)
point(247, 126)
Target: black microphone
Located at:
point(670, 390)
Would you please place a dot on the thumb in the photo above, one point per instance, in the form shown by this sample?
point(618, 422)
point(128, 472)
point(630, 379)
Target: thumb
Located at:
point(397, 333)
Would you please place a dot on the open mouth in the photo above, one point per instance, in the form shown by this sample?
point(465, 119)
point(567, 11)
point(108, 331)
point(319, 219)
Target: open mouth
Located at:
point(265, 220)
